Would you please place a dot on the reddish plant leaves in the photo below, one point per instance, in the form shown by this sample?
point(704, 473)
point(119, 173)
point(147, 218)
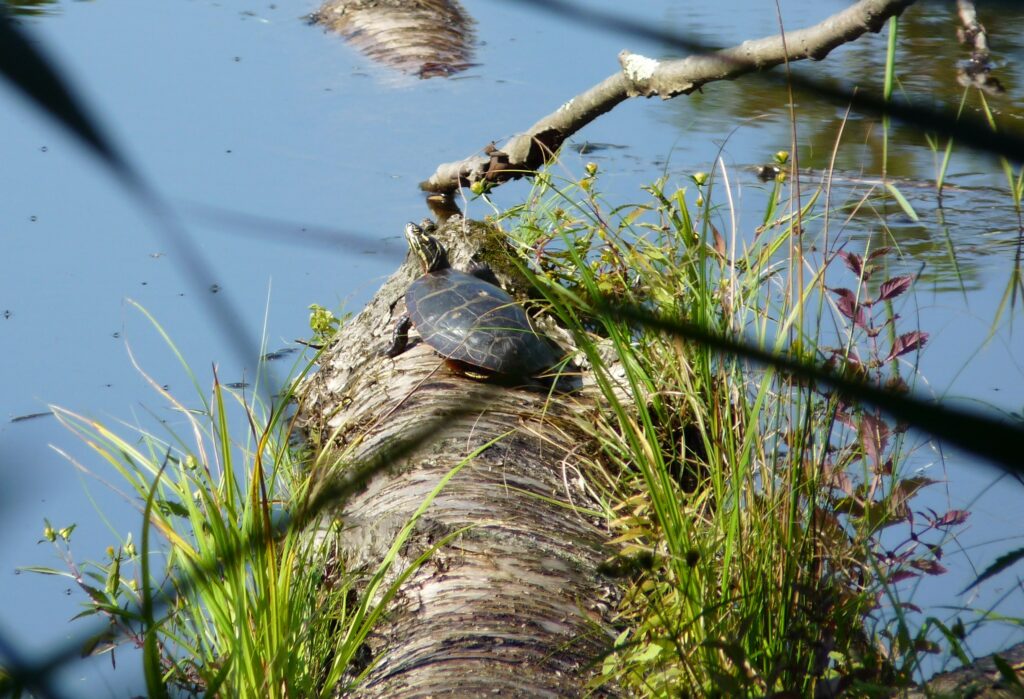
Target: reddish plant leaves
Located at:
point(952, 518)
point(928, 566)
point(849, 365)
point(908, 487)
point(907, 342)
point(901, 575)
point(874, 436)
point(891, 288)
point(720, 247)
point(847, 303)
point(855, 263)
point(879, 499)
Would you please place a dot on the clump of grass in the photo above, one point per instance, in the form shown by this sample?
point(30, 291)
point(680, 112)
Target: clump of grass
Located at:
point(234, 595)
point(749, 507)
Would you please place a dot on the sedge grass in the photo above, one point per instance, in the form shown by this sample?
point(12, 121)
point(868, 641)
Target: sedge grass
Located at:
point(228, 593)
point(749, 507)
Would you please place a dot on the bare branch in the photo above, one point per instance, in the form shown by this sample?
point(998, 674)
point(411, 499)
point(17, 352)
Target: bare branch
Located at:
point(647, 77)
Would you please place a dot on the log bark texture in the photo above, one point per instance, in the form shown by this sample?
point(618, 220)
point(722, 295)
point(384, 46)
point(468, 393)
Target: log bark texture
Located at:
point(514, 605)
point(982, 679)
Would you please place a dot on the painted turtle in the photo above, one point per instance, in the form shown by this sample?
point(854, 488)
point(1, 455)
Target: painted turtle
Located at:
point(467, 319)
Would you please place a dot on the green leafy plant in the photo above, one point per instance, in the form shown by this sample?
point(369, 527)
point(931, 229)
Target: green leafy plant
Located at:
point(324, 324)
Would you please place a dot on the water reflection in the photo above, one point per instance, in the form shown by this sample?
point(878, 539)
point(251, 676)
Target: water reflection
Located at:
point(35, 8)
point(962, 232)
point(428, 38)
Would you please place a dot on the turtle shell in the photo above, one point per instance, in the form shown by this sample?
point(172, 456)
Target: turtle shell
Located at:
point(472, 321)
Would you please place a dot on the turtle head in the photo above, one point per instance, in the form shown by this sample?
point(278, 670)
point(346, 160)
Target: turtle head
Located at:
point(427, 248)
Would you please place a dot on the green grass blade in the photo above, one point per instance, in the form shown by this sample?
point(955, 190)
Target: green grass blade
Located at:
point(902, 201)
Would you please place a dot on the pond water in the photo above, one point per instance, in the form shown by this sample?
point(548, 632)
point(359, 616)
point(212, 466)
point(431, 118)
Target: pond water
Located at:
point(244, 107)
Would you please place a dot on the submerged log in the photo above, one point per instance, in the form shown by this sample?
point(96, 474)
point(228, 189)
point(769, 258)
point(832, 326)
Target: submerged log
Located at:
point(512, 604)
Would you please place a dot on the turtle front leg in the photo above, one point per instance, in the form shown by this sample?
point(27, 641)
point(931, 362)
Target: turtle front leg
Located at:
point(400, 338)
